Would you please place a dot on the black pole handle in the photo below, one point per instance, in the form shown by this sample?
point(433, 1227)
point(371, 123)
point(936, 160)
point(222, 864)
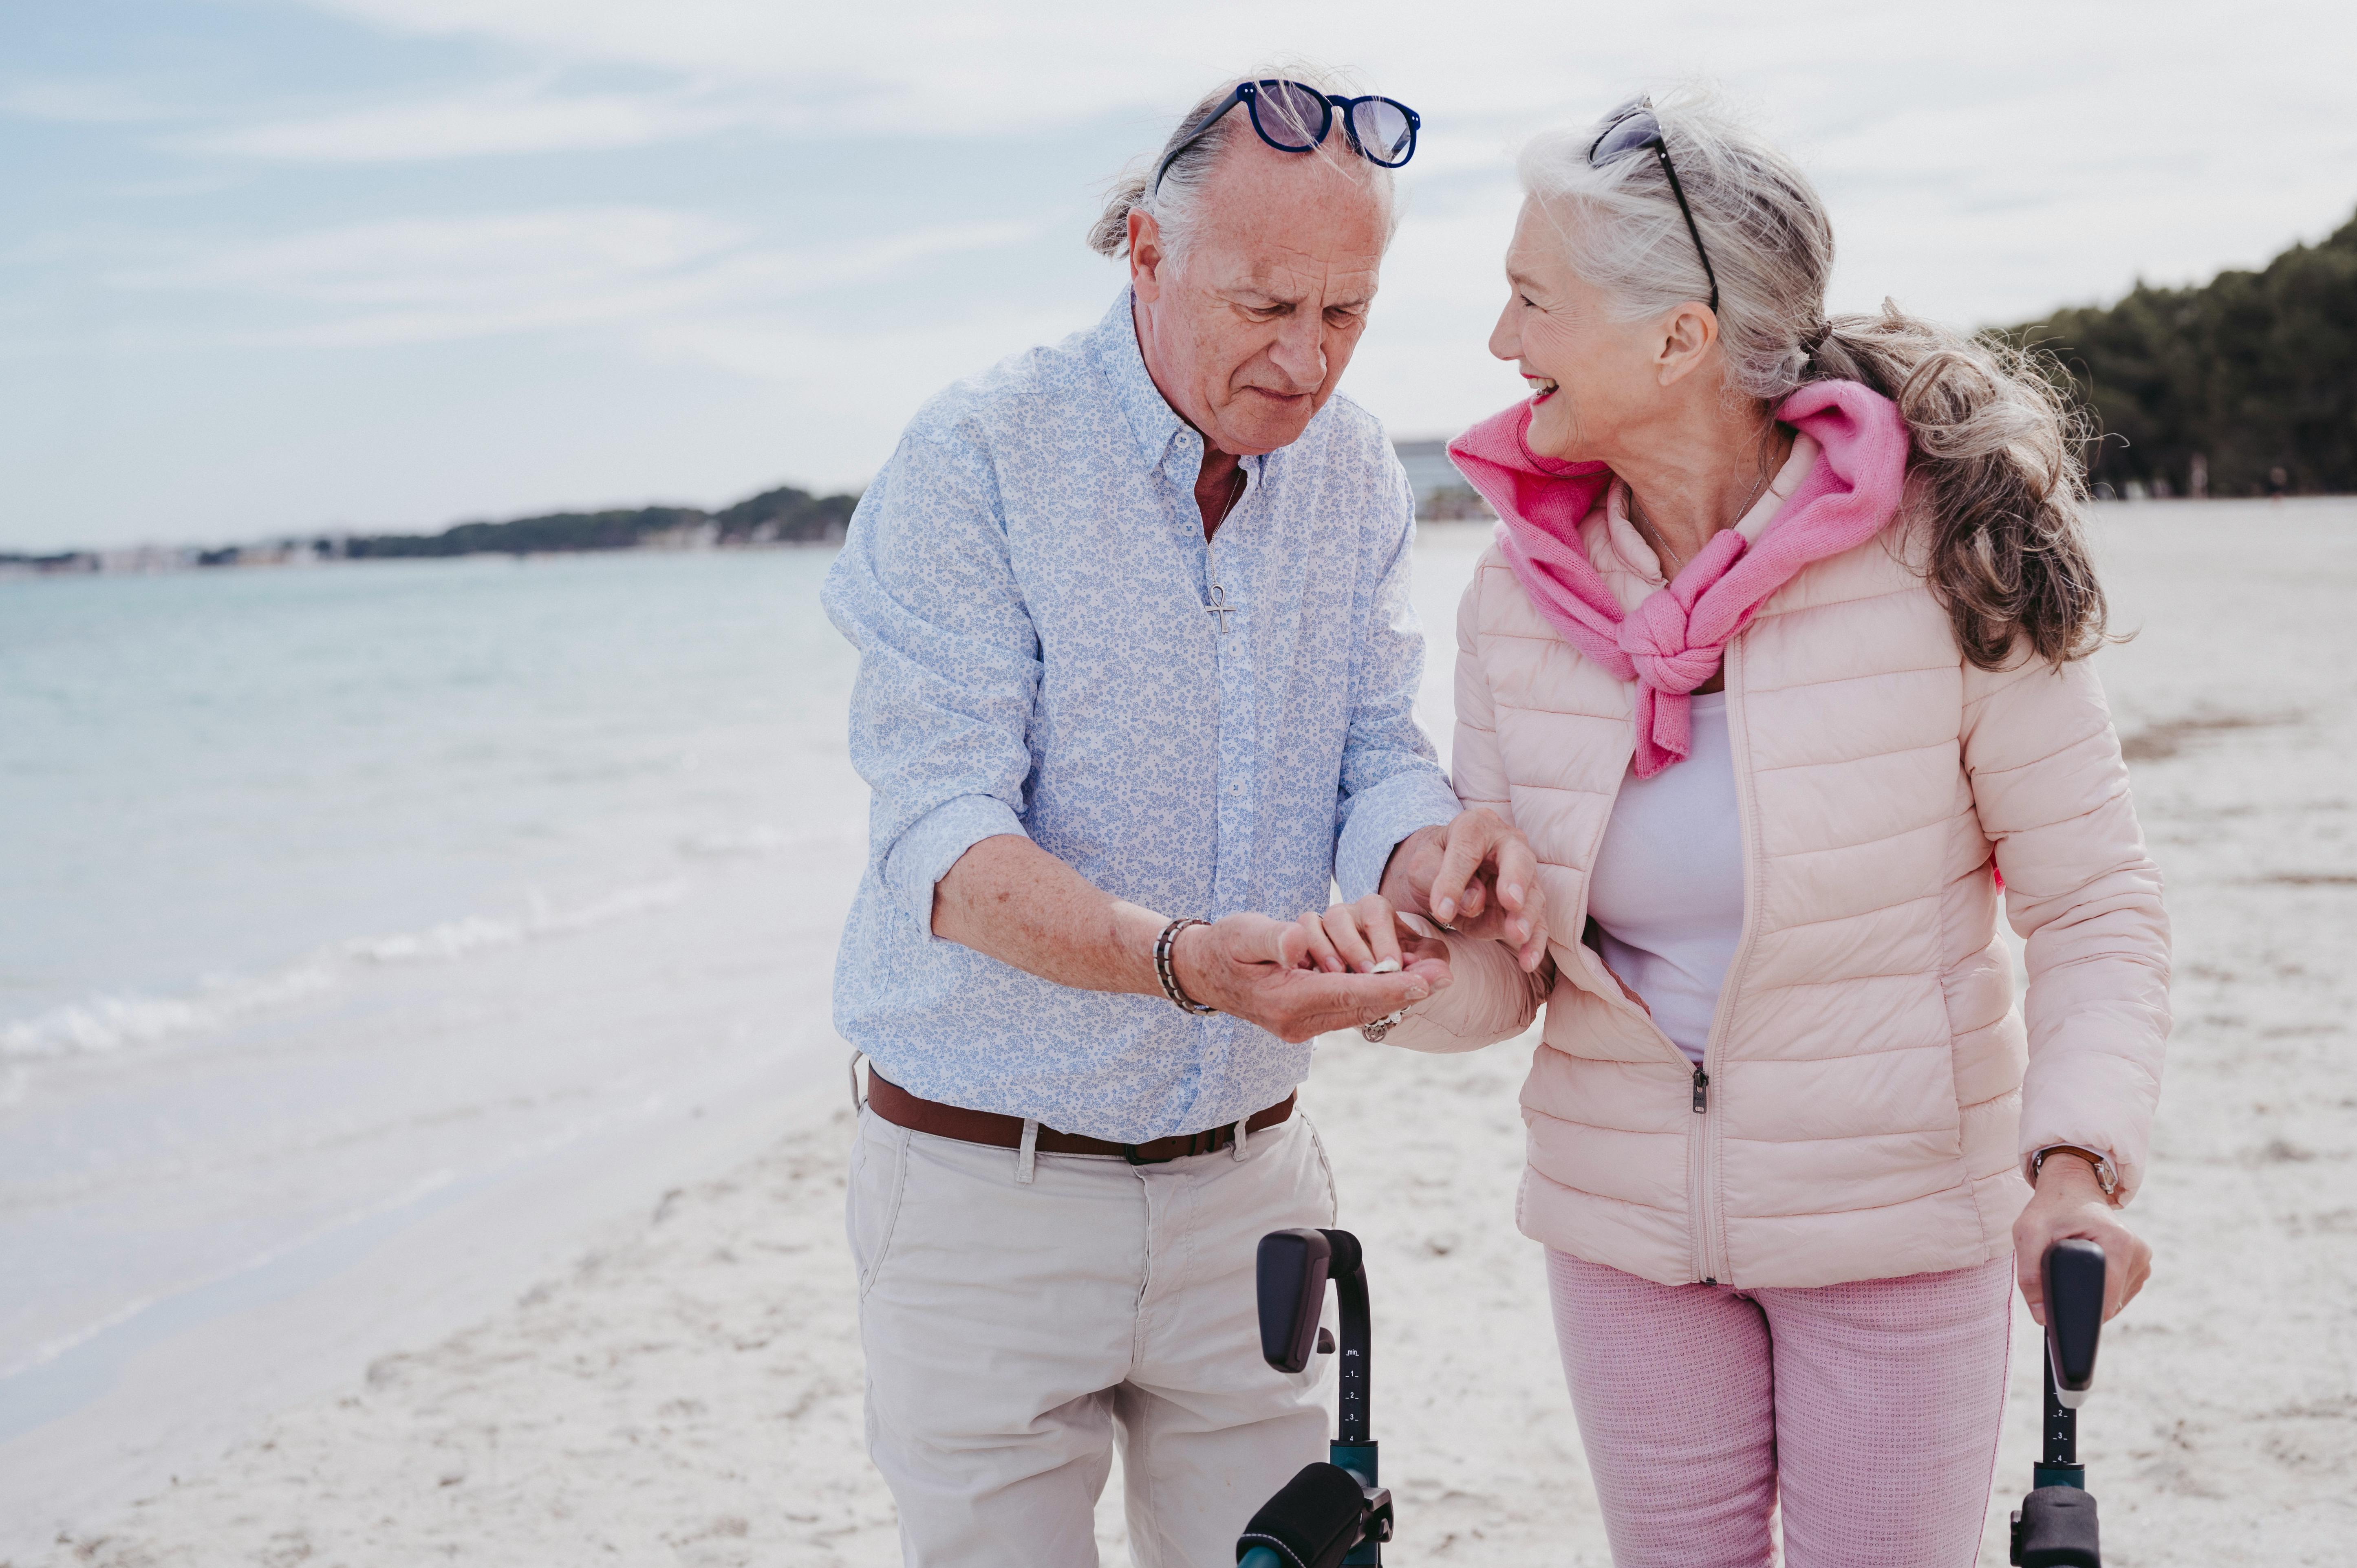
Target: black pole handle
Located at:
point(2073, 1269)
point(1290, 1275)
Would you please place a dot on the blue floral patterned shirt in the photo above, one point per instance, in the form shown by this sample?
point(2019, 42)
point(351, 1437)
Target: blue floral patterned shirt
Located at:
point(1048, 646)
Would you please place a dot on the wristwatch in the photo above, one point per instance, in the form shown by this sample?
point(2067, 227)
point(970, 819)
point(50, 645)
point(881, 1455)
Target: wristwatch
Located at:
point(2107, 1175)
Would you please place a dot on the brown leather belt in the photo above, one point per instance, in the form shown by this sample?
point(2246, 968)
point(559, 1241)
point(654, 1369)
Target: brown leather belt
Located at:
point(902, 1109)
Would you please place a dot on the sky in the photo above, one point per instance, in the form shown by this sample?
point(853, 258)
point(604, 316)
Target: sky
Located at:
point(275, 266)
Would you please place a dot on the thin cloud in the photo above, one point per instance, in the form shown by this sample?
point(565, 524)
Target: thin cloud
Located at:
point(85, 101)
point(446, 279)
point(509, 118)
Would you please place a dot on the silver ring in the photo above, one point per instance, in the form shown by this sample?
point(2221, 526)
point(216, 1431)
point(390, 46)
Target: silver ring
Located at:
point(1375, 1031)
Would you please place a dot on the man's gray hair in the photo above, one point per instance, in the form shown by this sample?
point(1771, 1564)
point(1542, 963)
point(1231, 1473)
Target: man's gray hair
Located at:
point(1173, 206)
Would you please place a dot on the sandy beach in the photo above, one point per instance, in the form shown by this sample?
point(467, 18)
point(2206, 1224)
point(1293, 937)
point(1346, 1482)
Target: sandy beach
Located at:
point(688, 1391)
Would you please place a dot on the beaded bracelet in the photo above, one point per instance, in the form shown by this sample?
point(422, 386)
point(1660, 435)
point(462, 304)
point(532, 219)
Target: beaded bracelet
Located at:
point(1163, 947)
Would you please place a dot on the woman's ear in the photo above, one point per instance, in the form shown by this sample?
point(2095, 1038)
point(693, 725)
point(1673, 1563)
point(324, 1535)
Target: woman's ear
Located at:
point(1688, 334)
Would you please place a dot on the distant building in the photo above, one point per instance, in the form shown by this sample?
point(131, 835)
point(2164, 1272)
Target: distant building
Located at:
point(1441, 493)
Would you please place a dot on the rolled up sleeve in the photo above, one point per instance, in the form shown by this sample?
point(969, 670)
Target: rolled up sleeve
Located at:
point(949, 662)
point(1392, 783)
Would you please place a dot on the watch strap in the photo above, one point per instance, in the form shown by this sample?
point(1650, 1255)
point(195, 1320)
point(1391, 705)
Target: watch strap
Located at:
point(2107, 1175)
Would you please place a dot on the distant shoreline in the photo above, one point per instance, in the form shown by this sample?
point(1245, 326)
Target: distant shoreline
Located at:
point(698, 538)
point(785, 515)
point(150, 560)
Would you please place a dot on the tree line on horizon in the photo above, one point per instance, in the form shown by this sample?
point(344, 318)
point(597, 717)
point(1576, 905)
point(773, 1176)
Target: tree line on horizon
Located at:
point(2213, 388)
point(782, 516)
point(786, 515)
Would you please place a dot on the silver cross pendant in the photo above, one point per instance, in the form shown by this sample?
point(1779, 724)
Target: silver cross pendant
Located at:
point(1219, 608)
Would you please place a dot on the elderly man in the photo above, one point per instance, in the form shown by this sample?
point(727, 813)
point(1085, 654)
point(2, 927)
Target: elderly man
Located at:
point(1136, 678)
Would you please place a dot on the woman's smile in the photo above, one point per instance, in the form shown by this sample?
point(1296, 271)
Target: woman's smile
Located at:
point(1542, 387)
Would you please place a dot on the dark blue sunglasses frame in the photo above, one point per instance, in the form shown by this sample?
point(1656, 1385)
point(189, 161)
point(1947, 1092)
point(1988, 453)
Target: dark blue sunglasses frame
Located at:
point(1634, 129)
point(1248, 94)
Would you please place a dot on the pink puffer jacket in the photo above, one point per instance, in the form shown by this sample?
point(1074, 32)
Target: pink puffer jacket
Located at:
point(1865, 1113)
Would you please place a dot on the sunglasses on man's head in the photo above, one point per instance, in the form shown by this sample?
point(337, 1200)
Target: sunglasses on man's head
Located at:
point(1293, 117)
point(1634, 129)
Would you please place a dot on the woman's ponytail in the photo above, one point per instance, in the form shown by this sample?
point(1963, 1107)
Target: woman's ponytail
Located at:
point(2002, 490)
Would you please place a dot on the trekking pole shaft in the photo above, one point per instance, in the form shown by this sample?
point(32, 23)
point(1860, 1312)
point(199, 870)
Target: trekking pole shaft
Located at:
point(2062, 1424)
point(1353, 1423)
point(2060, 1467)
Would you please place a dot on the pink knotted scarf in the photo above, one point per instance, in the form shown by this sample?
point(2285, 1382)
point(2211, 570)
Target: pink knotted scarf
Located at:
point(1672, 641)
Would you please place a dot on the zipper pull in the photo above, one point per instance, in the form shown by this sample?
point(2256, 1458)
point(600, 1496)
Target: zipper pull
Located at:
point(1702, 1091)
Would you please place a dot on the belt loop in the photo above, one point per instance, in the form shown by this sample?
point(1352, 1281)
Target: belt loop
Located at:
point(1240, 1130)
point(1028, 1155)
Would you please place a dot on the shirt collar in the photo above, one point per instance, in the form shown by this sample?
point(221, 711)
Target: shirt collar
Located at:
point(1113, 345)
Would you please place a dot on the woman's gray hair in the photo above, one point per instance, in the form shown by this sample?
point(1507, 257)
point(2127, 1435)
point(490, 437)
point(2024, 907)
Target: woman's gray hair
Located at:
point(1995, 450)
point(1173, 206)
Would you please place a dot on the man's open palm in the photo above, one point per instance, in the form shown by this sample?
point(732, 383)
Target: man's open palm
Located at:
point(1260, 970)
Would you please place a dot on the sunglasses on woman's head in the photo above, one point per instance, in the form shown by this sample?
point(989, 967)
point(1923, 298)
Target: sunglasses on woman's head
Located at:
point(1294, 118)
point(1634, 129)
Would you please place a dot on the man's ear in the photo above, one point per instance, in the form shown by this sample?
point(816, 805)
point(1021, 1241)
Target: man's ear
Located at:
point(1147, 259)
point(1687, 338)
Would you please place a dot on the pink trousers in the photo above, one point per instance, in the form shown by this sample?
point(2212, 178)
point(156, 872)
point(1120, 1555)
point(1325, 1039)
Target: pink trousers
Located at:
point(1871, 1411)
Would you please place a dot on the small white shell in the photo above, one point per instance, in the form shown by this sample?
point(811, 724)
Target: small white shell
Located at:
point(1385, 966)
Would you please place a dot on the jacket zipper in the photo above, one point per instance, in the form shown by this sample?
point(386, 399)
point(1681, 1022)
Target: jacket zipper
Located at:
point(1701, 1166)
point(1709, 1255)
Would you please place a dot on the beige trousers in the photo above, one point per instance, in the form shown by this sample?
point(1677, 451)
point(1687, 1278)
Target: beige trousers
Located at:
point(1016, 1328)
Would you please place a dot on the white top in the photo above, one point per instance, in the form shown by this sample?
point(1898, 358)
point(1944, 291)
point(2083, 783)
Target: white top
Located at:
point(1668, 888)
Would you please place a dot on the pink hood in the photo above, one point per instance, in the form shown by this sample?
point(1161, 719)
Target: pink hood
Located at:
point(1674, 640)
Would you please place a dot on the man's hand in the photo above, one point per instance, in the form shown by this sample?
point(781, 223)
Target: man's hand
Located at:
point(1478, 877)
point(2070, 1202)
point(1260, 970)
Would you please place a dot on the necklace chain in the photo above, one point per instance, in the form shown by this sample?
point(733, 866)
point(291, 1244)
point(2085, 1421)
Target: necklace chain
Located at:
point(1661, 545)
point(1235, 494)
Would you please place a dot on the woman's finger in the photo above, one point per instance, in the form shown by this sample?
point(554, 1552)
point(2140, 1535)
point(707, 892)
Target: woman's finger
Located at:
point(1533, 947)
point(1342, 930)
point(1516, 882)
point(1468, 846)
point(1322, 956)
point(1476, 901)
point(1517, 890)
point(1433, 968)
point(2137, 1257)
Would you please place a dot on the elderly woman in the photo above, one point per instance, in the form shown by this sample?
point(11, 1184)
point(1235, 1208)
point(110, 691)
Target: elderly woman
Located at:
point(1779, 663)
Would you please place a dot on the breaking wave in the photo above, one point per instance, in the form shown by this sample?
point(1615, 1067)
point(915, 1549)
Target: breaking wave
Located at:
point(106, 1023)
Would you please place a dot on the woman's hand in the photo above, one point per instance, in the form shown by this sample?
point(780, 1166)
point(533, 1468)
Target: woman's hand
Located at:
point(2071, 1202)
point(1477, 876)
point(1368, 938)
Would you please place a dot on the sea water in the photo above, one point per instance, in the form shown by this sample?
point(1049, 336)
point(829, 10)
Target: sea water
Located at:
point(371, 933)
point(418, 910)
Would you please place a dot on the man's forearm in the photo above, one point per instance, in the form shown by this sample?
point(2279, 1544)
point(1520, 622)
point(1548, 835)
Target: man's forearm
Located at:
point(1009, 899)
point(1012, 900)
